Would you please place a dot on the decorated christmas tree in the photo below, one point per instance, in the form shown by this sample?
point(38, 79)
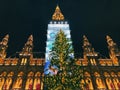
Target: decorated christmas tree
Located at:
point(66, 74)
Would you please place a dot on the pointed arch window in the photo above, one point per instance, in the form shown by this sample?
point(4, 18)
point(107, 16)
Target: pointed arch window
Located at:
point(93, 61)
point(23, 61)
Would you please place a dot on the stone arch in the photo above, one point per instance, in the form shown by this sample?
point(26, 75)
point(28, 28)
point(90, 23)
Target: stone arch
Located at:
point(89, 85)
point(100, 83)
point(110, 84)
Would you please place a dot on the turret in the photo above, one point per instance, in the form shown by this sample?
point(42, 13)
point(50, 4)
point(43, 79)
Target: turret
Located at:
point(88, 52)
point(3, 46)
point(114, 52)
point(26, 53)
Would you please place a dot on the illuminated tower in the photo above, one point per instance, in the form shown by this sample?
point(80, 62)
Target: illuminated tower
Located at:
point(58, 23)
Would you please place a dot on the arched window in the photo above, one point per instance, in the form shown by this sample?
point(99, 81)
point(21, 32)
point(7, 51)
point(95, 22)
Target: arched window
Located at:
point(29, 81)
point(100, 83)
point(8, 81)
point(89, 85)
point(24, 61)
point(110, 84)
point(93, 61)
point(18, 82)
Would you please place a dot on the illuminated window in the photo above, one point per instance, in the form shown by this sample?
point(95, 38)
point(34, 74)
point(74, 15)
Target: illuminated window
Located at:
point(93, 62)
point(24, 61)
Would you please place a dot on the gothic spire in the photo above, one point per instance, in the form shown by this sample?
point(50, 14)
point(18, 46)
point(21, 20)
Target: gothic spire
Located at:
point(110, 41)
point(87, 47)
point(3, 46)
point(85, 41)
point(5, 39)
point(58, 14)
point(28, 45)
point(113, 50)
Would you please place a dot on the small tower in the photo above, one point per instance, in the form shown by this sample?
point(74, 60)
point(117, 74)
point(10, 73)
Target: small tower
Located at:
point(114, 52)
point(88, 52)
point(3, 47)
point(26, 53)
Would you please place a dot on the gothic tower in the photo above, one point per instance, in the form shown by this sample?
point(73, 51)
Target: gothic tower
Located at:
point(56, 24)
point(88, 52)
point(114, 52)
point(3, 47)
point(26, 54)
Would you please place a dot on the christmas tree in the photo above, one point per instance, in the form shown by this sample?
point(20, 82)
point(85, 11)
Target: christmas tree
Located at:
point(66, 74)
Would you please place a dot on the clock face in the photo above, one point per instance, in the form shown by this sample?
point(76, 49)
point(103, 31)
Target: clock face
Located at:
point(52, 35)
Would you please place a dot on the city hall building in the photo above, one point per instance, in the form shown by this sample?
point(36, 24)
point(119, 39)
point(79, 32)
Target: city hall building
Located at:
point(26, 71)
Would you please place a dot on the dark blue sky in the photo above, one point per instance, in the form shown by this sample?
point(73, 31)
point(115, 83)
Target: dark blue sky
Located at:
point(93, 18)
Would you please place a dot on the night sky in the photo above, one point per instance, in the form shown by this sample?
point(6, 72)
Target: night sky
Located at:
point(93, 18)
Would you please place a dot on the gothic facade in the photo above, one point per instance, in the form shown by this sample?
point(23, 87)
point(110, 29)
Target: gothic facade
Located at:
point(20, 73)
point(25, 72)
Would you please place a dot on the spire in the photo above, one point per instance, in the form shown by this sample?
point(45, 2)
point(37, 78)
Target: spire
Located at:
point(57, 14)
point(28, 46)
point(3, 46)
point(88, 49)
point(113, 50)
point(85, 41)
point(26, 53)
point(5, 38)
point(110, 41)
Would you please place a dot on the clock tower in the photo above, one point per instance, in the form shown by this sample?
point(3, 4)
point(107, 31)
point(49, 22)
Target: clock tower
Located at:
point(56, 24)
